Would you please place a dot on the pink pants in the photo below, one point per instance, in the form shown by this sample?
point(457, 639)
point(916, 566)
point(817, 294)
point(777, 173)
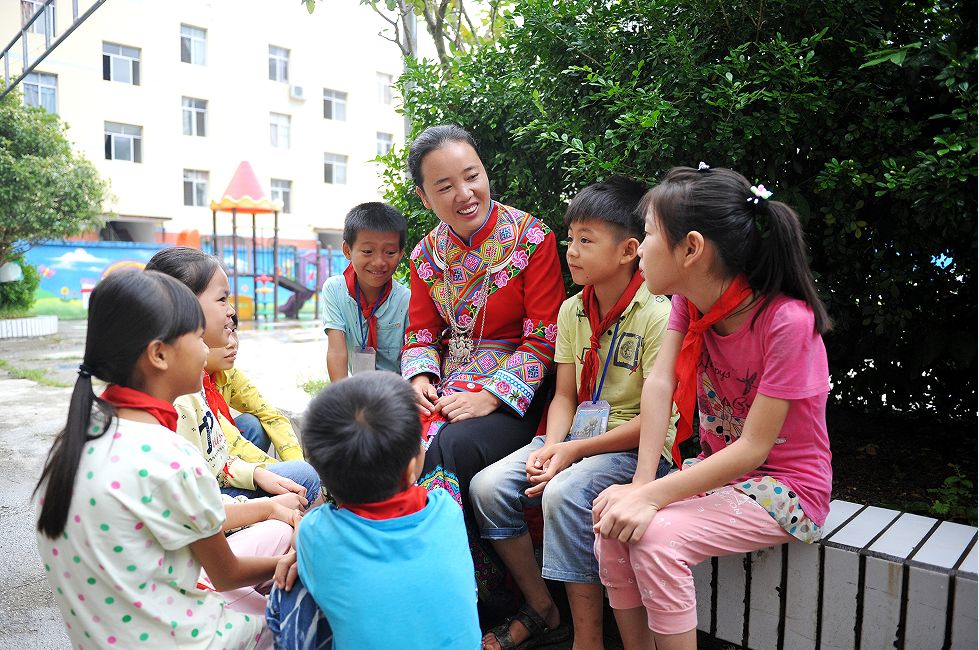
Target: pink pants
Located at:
point(655, 572)
point(260, 540)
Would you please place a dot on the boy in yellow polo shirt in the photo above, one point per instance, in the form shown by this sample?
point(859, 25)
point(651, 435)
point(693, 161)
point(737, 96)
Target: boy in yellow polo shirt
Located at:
point(608, 337)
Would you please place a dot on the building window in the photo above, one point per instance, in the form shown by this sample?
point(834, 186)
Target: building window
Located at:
point(278, 63)
point(282, 191)
point(279, 130)
point(335, 169)
point(334, 105)
point(195, 188)
point(123, 142)
point(41, 89)
point(193, 44)
point(385, 141)
point(43, 25)
point(384, 82)
point(120, 63)
point(195, 116)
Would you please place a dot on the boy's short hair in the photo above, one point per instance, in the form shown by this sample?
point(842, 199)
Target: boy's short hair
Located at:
point(614, 201)
point(376, 216)
point(360, 433)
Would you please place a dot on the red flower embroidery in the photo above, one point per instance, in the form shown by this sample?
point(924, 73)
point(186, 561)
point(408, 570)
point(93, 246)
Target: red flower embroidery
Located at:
point(423, 336)
point(503, 388)
point(501, 279)
point(425, 271)
point(535, 236)
point(550, 332)
point(520, 259)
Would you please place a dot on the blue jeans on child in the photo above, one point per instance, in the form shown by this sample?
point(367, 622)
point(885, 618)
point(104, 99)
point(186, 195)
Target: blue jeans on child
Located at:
point(296, 621)
point(297, 470)
point(498, 499)
point(252, 430)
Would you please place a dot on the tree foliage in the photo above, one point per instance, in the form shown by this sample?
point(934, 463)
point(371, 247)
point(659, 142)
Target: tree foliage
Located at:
point(46, 190)
point(862, 115)
point(454, 26)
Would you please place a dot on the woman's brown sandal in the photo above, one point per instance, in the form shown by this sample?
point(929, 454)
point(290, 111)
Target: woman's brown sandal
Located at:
point(540, 633)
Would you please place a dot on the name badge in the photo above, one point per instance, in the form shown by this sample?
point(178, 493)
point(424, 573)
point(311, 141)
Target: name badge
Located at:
point(590, 420)
point(364, 360)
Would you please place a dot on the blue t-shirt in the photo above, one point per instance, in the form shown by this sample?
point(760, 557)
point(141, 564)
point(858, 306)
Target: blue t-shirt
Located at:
point(406, 582)
point(341, 312)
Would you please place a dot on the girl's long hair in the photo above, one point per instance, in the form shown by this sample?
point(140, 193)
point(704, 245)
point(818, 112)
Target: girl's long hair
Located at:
point(127, 311)
point(192, 267)
point(762, 239)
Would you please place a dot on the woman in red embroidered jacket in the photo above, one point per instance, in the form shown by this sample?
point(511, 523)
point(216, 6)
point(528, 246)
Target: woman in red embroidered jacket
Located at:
point(482, 319)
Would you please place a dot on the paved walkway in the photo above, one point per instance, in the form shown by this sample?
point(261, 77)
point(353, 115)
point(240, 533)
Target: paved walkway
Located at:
point(279, 359)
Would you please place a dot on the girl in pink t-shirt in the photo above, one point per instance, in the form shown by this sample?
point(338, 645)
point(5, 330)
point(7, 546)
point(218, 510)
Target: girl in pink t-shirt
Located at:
point(744, 346)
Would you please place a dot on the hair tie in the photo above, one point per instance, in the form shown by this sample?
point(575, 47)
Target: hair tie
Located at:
point(703, 167)
point(760, 194)
point(85, 370)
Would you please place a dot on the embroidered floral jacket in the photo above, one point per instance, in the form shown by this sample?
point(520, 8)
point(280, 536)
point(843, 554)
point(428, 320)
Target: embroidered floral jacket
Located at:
point(525, 293)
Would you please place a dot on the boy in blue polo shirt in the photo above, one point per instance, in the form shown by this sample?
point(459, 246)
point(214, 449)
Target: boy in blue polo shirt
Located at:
point(365, 311)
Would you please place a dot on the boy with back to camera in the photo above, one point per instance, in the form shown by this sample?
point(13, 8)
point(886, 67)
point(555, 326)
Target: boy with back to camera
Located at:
point(390, 566)
point(365, 311)
point(608, 336)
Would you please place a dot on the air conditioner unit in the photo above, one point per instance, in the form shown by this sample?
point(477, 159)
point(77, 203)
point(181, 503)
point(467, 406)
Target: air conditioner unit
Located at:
point(296, 92)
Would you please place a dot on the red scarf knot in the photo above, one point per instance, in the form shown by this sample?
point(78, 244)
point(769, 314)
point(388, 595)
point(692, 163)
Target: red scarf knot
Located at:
point(590, 362)
point(401, 504)
point(130, 398)
point(687, 361)
point(367, 310)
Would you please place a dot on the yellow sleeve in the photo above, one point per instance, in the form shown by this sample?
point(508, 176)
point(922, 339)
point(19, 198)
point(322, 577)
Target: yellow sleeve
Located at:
point(242, 396)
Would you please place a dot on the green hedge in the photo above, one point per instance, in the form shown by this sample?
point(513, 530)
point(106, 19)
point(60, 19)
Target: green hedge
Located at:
point(862, 115)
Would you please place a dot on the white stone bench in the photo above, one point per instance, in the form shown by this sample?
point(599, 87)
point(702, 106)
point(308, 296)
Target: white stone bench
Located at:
point(878, 579)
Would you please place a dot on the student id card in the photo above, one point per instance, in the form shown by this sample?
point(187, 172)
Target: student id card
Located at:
point(590, 420)
point(364, 360)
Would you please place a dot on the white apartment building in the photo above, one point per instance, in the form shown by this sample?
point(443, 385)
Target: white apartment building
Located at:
point(167, 97)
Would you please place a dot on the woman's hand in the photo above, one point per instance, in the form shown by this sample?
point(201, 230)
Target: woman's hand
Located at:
point(624, 512)
point(274, 484)
point(547, 462)
point(425, 393)
point(464, 405)
point(291, 500)
point(286, 571)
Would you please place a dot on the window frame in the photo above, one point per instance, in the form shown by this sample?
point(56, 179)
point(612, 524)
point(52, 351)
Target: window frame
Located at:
point(385, 88)
point(339, 163)
point(337, 100)
point(198, 116)
point(45, 24)
point(135, 141)
point(388, 143)
point(109, 59)
point(276, 130)
point(278, 64)
point(196, 181)
point(284, 194)
point(192, 40)
point(38, 82)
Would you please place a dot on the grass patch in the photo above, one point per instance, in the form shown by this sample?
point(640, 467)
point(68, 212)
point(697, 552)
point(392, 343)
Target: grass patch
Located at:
point(31, 374)
point(63, 309)
point(313, 386)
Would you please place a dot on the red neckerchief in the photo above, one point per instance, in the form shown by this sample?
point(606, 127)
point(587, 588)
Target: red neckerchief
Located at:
point(368, 310)
point(130, 398)
point(215, 401)
point(403, 503)
point(687, 361)
point(590, 362)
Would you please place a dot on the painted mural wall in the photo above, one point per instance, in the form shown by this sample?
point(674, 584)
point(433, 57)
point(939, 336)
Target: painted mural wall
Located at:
point(69, 271)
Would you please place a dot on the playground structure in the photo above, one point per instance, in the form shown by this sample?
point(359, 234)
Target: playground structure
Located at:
point(294, 273)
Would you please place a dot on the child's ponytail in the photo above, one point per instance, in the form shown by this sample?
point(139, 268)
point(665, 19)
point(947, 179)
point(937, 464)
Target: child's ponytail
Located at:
point(127, 311)
point(61, 467)
point(780, 264)
point(753, 234)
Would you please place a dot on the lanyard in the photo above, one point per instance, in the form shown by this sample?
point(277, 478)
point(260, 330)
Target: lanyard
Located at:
point(360, 315)
point(608, 357)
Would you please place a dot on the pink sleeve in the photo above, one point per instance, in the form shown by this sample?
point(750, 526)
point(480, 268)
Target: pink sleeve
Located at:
point(795, 364)
point(679, 315)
